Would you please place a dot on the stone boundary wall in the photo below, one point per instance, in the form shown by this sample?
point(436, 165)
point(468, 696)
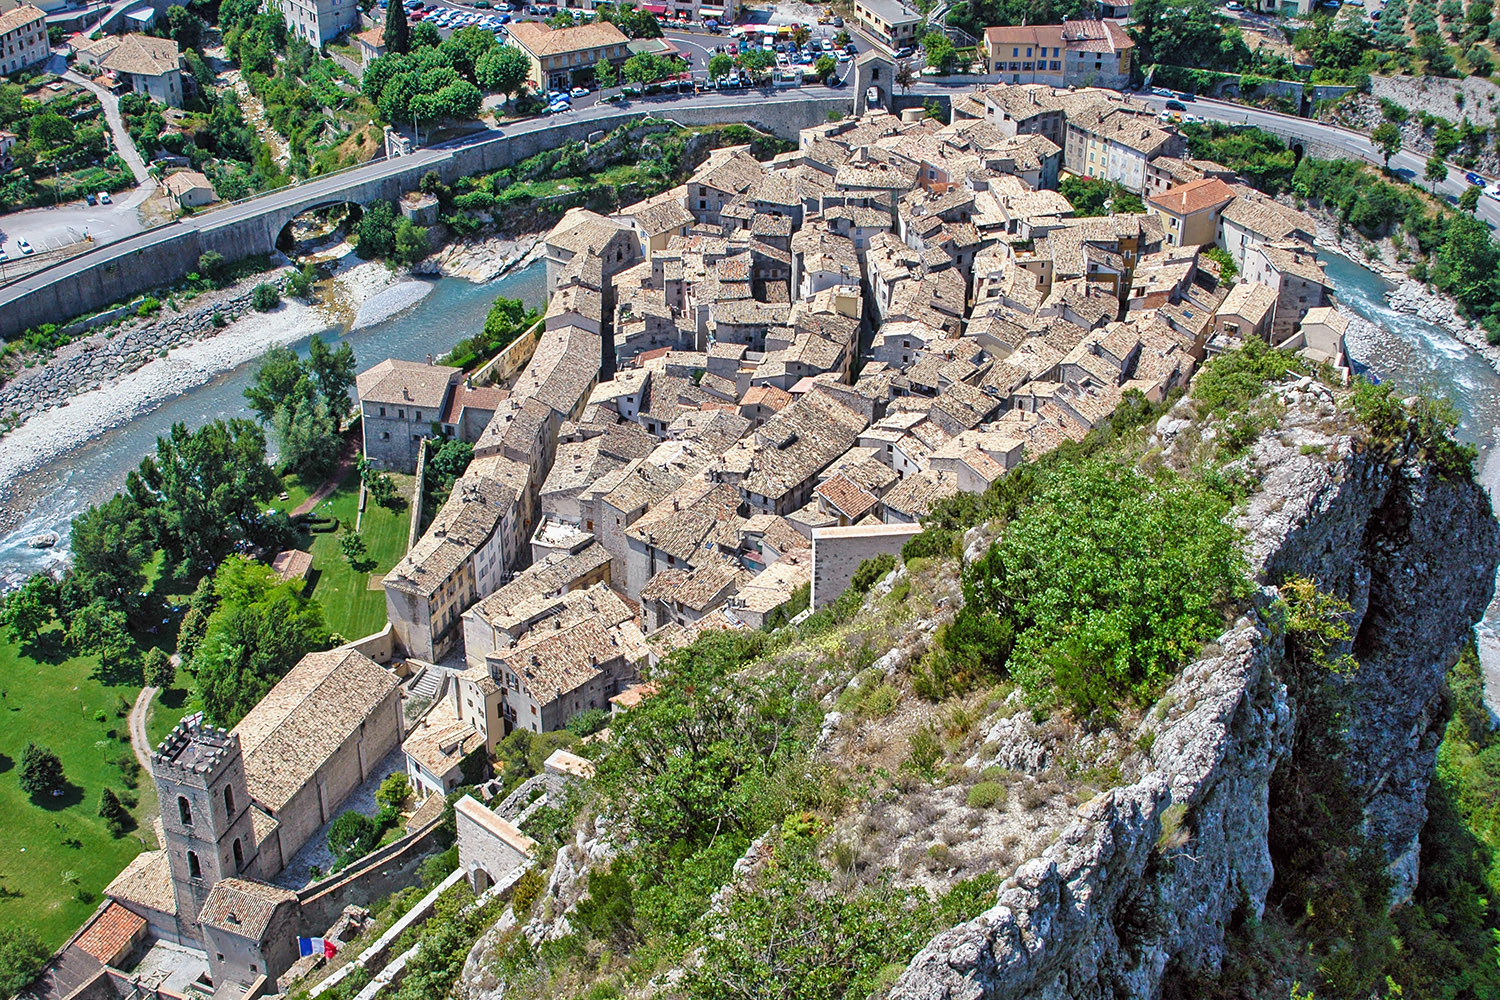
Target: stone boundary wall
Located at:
point(392, 867)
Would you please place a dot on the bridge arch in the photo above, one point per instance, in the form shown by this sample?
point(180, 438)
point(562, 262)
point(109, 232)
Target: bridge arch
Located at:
point(334, 212)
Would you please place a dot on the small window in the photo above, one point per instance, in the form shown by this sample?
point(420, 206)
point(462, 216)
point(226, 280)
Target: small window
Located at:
point(229, 802)
point(184, 811)
point(195, 870)
point(239, 857)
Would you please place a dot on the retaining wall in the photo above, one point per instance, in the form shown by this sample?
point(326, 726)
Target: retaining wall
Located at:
point(377, 875)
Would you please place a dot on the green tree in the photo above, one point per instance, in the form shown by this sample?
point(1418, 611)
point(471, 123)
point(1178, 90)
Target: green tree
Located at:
point(424, 35)
point(394, 790)
point(1469, 200)
point(756, 62)
point(1436, 172)
point(204, 494)
point(29, 608)
point(211, 265)
point(905, 75)
point(22, 955)
point(352, 836)
point(334, 373)
point(49, 130)
point(264, 297)
point(115, 816)
point(503, 70)
point(397, 34)
point(186, 27)
point(605, 74)
point(377, 230)
point(299, 284)
point(1387, 139)
point(720, 65)
point(307, 435)
point(825, 67)
point(1468, 261)
point(195, 619)
point(111, 544)
point(352, 544)
point(260, 628)
point(41, 771)
point(939, 51)
point(280, 376)
point(97, 628)
point(157, 668)
point(411, 242)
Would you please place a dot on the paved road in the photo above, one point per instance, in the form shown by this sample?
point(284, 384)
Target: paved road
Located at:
point(1354, 145)
point(124, 145)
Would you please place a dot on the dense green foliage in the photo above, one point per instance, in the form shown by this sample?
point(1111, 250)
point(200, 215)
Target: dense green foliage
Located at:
point(1092, 196)
point(21, 957)
point(507, 320)
point(41, 771)
point(306, 403)
point(440, 78)
point(259, 628)
point(1108, 581)
point(385, 232)
point(352, 835)
point(61, 151)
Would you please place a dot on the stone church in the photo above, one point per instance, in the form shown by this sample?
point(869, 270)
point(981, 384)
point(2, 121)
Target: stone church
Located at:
point(236, 805)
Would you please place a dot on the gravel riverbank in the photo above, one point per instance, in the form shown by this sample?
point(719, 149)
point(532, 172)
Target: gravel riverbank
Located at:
point(113, 377)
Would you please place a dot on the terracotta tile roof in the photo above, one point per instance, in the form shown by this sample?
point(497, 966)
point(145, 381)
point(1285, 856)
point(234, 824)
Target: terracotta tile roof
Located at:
point(143, 55)
point(1197, 196)
point(847, 496)
point(112, 934)
point(541, 40)
point(147, 882)
point(322, 702)
point(19, 18)
point(440, 741)
point(409, 383)
point(242, 907)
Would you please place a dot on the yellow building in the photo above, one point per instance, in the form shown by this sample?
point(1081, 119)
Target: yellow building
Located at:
point(1189, 212)
point(562, 57)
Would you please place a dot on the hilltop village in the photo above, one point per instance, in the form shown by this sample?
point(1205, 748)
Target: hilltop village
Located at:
point(742, 389)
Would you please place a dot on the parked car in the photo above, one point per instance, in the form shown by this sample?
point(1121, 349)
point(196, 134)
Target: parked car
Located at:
point(1474, 179)
point(1234, 5)
point(842, 56)
point(580, 92)
point(838, 22)
point(1161, 92)
point(1174, 106)
point(1493, 192)
point(852, 49)
point(3, 254)
point(905, 52)
point(1184, 96)
point(90, 199)
point(24, 247)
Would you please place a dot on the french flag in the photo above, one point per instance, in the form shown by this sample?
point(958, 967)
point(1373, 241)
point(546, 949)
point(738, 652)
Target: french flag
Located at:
point(317, 946)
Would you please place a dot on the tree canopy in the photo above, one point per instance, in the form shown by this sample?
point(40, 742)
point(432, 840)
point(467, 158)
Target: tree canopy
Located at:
point(259, 629)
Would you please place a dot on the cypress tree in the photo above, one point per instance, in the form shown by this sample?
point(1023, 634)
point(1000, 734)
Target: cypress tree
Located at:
point(113, 812)
point(397, 32)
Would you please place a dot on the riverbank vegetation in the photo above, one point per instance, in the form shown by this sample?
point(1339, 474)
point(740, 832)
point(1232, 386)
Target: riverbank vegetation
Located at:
point(1451, 250)
point(305, 403)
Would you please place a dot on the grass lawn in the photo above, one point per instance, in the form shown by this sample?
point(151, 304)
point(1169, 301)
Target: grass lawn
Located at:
point(56, 857)
point(350, 607)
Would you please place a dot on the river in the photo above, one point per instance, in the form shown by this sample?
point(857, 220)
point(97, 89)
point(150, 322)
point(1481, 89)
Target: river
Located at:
point(55, 492)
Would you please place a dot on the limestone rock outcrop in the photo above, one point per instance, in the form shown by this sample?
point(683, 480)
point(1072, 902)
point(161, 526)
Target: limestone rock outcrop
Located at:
point(1152, 874)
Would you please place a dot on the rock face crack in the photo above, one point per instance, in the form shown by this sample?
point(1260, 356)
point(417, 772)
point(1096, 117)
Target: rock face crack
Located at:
point(1114, 902)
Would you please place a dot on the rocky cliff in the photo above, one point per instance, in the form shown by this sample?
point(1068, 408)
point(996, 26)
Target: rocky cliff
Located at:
point(1151, 874)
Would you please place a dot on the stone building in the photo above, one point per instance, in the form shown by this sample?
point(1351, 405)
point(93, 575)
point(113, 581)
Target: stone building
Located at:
point(23, 39)
point(399, 402)
point(1079, 53)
